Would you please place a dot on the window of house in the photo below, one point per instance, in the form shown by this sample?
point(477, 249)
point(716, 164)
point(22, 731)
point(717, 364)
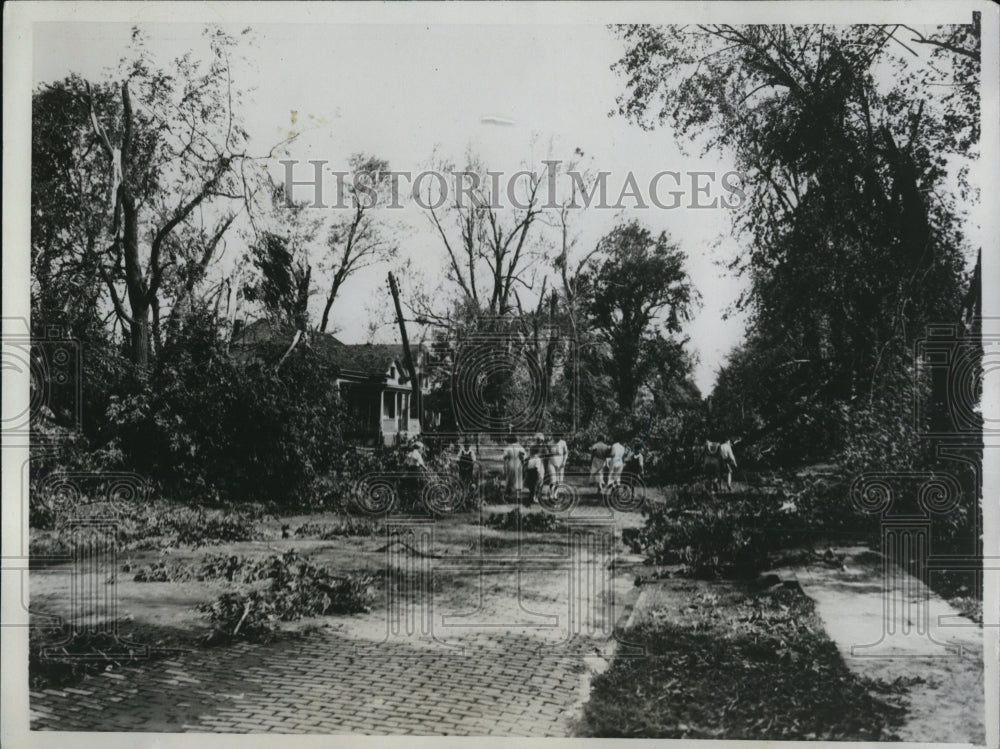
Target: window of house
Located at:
point(389, 405)
point(413, 407)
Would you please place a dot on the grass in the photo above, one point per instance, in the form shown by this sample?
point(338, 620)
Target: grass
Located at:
point(738, 664)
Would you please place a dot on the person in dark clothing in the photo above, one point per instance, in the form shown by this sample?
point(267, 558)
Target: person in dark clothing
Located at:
point(534, 475)
point(466, 463)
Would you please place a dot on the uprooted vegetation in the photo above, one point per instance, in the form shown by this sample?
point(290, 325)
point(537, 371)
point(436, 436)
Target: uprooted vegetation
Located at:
point(731, 535)
point(348, 525)
point(275, 589)
point(159, 525)
point(293, 588)
point(518, 520)
point(58, 657)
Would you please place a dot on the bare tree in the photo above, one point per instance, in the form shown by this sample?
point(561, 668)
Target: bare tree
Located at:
point(361, 239)
point(486, 237)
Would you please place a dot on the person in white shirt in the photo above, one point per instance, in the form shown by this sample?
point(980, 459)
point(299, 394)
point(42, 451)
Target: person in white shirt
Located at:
point(616, 461)
point(719, 460)
point(415, 458)
point(513, 457)
point(414, 469)
point(728, 458)
point(556, 464)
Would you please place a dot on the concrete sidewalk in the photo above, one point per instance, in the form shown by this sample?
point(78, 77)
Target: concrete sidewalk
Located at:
point(889, 626)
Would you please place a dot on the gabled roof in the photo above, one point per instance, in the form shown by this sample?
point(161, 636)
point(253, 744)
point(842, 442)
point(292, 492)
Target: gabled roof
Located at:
point(368, 358)
point(365, 360)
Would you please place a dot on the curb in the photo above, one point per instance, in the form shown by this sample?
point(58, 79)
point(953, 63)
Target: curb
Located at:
point(599, 663)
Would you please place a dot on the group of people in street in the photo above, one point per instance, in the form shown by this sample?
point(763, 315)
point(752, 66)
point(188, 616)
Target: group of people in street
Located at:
point(719, 462)
point(529, 470)
point(608, 463)
point(539, 464)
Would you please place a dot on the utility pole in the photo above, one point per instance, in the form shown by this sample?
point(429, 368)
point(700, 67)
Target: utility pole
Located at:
point(407, 358)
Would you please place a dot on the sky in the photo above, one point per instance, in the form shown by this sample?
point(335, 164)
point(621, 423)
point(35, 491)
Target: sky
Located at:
point(408, 92)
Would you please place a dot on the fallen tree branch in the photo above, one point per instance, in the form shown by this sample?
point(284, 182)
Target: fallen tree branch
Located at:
point(246, 612)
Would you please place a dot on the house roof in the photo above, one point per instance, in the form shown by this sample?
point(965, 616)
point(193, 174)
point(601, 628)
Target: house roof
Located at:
point(369, 360)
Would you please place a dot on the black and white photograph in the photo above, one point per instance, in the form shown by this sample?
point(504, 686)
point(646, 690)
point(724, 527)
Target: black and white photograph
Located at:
point(511, 370)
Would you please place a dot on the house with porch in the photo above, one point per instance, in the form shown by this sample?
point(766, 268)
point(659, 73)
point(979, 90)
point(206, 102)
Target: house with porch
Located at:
point(377, 389)
point(371, 377)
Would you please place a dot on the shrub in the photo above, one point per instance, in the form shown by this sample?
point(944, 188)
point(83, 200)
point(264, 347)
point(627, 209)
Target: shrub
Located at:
point(42, 513)
point(210, 421)
point(48, 547)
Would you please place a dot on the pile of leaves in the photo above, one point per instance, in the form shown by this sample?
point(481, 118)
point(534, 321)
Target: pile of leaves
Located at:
point(346, 526)
point(738, 665)
point(727, 535)
point(155, 527)
point(295, 588)
point(206, 527)
point(518, 520)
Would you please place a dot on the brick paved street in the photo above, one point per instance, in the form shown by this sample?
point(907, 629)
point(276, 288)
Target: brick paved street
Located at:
point(482, 646)
point(506, 684)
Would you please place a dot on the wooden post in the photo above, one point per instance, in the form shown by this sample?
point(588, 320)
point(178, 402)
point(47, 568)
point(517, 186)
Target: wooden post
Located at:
point(407, 358)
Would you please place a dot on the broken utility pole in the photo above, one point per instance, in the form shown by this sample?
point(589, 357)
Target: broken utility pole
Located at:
point(407, 357)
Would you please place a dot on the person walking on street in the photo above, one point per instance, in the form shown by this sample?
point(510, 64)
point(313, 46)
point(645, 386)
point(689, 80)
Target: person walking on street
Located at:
point(513, 456)
point(414, 469)
point(616, 464)
point(728, 459)
point(466, 463)
point(556, 463)
point(600, 452)
point(535, 473)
